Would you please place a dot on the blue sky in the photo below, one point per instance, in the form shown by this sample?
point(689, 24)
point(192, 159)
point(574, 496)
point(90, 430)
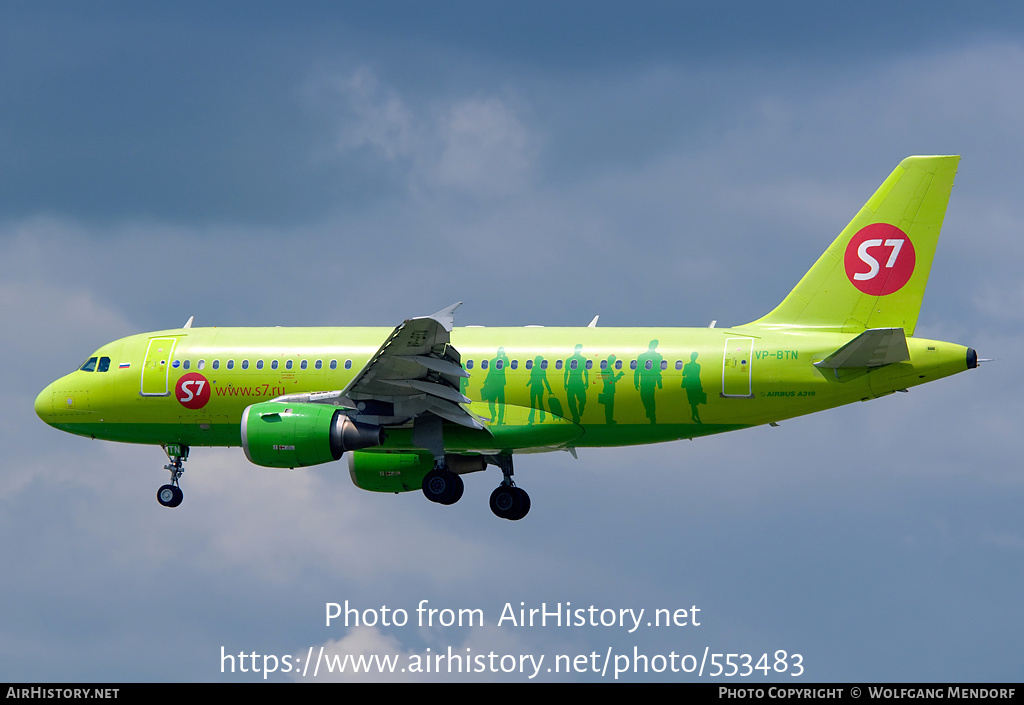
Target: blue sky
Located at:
point(657, 164)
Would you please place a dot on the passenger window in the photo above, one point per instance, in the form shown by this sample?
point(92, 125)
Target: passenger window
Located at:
point(288, 364)
point(216, 364)
point(302, 365)
point(104, 364)
point(273, 364)
point(632, 364)
point(334, 364)
point(618, 364)
point(664, 364)
point(558, 364)
point(201, 364)
point(184, 365)
point(319, 364)
point(590, 364)
point(649, 364)
point(469, 364)
point(245, 364)
point(529, 364)
point(348, 364)
point(679, 364)
point(604, 364)
point(259, 364)
point(543, 364)
point(231, 364)
point(483, 364)
point(573, 364)
point(515, 364)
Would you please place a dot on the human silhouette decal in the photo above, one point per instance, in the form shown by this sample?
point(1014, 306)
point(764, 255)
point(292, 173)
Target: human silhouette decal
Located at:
point(576, 380)
point(493, 389)
point(647, 378)
point(537, 382)
point(695, 393)
point(609, 376)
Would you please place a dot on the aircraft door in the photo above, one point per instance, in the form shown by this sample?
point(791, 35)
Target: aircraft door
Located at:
point(156, 368)
point(736, 366)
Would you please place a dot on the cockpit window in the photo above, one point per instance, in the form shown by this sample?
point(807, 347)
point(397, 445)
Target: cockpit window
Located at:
point(104, 364)
point(89, 366)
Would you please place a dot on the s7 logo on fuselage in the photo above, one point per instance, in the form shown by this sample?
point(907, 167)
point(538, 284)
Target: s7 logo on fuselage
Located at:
point(880, 259)
point(192, 391)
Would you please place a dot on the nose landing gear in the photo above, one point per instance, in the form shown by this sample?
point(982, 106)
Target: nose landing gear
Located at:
point(170, 495)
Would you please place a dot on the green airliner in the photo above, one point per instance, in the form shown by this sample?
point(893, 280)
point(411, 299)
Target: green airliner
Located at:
point(417, 407)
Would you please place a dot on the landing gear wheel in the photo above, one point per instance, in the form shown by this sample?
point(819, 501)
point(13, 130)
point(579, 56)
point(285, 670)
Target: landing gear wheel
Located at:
point(509, 502)
point(169, 495)
point(443, 486)
point(526, 504)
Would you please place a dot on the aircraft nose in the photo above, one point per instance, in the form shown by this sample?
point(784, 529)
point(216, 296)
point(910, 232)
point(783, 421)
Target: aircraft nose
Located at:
point(44, 404)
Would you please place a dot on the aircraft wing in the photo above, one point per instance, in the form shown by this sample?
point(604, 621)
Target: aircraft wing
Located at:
point(415, 371)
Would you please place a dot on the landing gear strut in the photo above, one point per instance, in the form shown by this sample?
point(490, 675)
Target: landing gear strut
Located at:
point(440, 485)
point(507, 500)
point(170, 495)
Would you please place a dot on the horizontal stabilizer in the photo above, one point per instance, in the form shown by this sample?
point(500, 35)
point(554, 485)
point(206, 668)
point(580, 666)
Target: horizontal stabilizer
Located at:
point(872, 348)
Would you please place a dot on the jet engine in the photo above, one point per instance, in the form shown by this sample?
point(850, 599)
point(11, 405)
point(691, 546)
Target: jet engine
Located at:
point(403, 472)
point(286, 435)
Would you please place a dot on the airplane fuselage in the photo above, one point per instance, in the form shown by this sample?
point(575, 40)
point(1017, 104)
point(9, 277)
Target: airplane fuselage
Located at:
point(418, 406)
point(623, 386)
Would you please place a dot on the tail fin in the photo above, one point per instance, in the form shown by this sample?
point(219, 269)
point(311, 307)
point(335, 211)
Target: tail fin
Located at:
point(875, 273)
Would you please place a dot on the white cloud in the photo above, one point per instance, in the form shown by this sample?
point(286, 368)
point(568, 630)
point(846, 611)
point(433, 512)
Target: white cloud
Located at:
point(379, 117)
point(486, 147)
point(466, 146)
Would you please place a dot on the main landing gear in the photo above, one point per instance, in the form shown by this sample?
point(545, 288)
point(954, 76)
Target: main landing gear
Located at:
point(170, 495)
point(443, 486)
point(510, 502)
point(507, 500)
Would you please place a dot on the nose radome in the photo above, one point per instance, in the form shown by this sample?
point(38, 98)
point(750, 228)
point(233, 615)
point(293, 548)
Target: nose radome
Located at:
point(44, 404)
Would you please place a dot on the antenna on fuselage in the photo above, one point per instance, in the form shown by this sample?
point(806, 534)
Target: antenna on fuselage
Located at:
point(188, 323)
point(593, 323)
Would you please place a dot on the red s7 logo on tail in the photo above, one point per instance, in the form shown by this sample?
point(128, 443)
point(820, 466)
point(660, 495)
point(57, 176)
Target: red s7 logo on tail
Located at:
point(880, 259)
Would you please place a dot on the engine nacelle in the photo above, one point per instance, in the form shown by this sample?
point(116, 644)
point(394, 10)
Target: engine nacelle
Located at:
point(285, 435)
point(403, 472)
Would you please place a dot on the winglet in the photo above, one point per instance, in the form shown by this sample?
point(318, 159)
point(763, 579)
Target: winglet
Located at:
point(446, 316)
